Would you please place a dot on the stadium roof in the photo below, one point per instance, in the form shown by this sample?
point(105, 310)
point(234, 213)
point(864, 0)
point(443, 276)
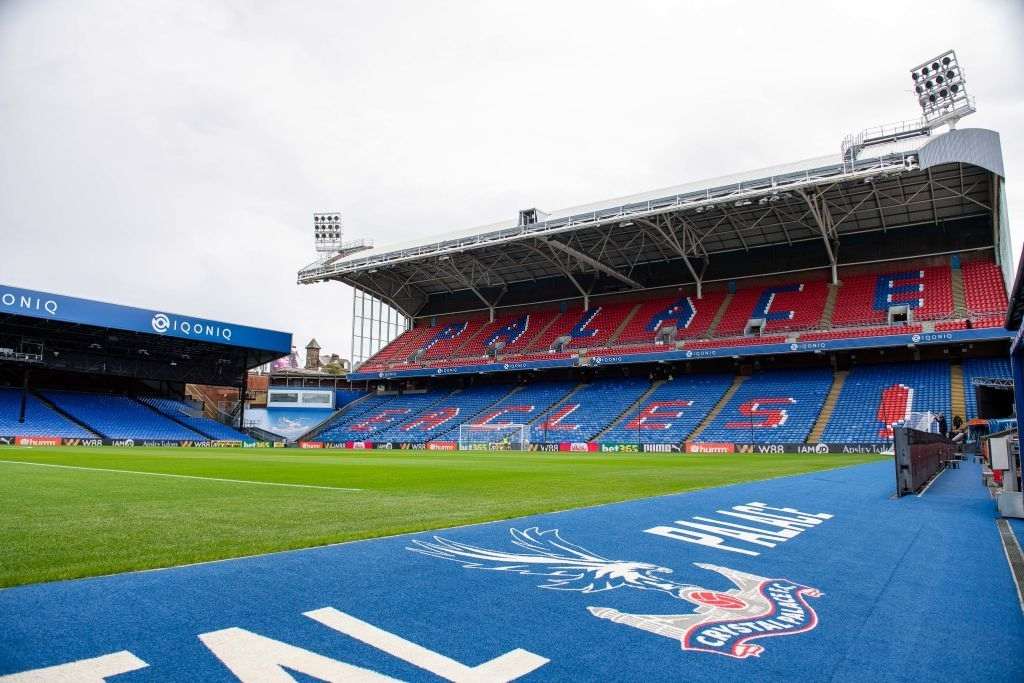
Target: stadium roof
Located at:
point(900, 179)
point(61, 332)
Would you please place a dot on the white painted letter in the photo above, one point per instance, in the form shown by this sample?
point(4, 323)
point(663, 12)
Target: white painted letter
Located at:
point(94, 670)
point(696, 537)
point(506, 667)
point(257, 659)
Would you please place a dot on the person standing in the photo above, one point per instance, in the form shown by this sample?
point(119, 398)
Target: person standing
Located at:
point(943, 425)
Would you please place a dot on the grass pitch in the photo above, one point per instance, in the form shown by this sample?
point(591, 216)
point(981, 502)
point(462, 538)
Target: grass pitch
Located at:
point(100, 513)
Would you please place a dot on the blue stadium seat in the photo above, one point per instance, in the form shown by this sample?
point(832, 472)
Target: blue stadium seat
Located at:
point(40, 419)
point(673, 411)
point(520, 407)
point(982, 368)
point(180, 411)
point(445, 415)
point(875, 396)
point(120, 417)
point(378, 413)
point(778, 406)
point(583, 415)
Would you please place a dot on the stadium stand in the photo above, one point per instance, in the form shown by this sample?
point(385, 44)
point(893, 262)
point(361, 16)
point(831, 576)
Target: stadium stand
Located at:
point(445, 415)
point(875, 397)
point(378, 413)
point(689, 315)
point(984, 291)
point(791, 306)
point(865, 299)
point(982, 368)
point(791, 310)
point(513, 332)
point(180, 411)
point(40, 419)
point(449, 338)
point(401, 348)
point(120, 417)
point(772, 407)
point(588, 410)
point(520, 407)
point(671, 412)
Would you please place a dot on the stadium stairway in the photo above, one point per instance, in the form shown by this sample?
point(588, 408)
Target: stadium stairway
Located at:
point(959, 300)
point(348, 410)
point(121, 417)
point(622, 325)
point(956, 386)
point(631, 409)
point(830, 306)
point(829, 407)
point(445, 415)
point(528, 344)
point(672, 411)
point(42, 398)
point(719, 314)
point(773, 406)
point(391, 410)
point(722, 402)
point(208, 428)
point(874, 397)
point(41, 418)
point(586, 410)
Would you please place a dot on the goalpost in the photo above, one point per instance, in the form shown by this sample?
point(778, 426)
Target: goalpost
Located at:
point(494, 437)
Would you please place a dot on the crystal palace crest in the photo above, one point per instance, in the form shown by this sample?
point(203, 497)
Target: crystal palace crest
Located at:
point(721, 622)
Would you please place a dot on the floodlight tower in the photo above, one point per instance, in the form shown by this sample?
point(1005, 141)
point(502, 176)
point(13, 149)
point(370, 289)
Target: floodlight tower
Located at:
point(374, 323)
point(941, 88)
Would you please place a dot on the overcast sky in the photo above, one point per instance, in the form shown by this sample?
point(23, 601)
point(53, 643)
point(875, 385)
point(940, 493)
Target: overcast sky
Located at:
point(169, 154)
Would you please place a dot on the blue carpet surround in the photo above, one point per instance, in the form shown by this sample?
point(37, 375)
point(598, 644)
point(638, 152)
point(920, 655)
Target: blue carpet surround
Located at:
point(812, 578)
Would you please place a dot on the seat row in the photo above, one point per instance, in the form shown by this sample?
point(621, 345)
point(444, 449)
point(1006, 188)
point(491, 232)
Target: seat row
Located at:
point(775, 406)
point(861, 308)
point(83, 415)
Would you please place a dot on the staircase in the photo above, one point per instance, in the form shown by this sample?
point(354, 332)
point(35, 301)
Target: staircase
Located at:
point(830, 405)
point(68, 416)
point(830, 306)
point(332, 418)
point(719, 314)
point(630, 410)
point(174, 418)
point(528, 346)
point(622, 325)
point(546, 412)
point(722, 402)
point(959, 302)
point(956, 386)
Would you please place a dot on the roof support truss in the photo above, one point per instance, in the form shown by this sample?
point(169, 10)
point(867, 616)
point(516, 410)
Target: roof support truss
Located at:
point(818, 207)
point(593, 263)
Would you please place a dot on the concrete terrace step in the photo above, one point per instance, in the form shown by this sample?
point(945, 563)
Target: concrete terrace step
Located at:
point(829, 407)
point(737, 382)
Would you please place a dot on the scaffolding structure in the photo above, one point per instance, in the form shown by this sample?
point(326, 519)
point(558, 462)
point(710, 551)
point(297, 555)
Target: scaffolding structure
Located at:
point(374, 325)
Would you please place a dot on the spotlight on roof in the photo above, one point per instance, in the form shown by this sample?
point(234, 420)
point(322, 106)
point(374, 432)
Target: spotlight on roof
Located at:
point(327, 231)
point(941, 89)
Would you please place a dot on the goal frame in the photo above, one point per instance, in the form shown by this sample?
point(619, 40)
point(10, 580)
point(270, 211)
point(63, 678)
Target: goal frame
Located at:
point(494, 437)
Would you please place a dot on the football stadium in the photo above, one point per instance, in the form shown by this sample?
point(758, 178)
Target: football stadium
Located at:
point(637, 439)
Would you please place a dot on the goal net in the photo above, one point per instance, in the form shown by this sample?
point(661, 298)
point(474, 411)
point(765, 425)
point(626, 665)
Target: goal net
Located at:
point(494, 437)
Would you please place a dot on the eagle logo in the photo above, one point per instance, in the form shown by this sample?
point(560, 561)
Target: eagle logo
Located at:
point(719, 622)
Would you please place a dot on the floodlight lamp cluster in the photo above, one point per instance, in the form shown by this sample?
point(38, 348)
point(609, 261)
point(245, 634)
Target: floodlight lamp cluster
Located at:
point(327, 231)
point(941, 89)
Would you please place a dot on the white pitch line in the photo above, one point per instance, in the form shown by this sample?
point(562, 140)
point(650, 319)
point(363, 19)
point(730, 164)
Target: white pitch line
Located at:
point(179, 476)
